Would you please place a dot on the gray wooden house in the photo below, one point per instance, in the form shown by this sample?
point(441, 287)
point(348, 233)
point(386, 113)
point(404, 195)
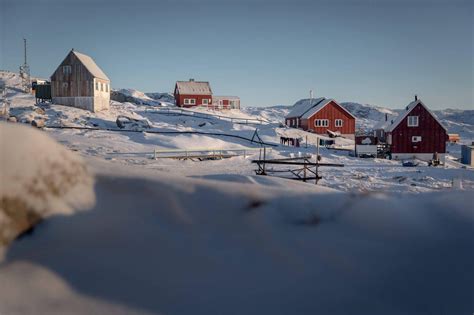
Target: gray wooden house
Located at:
point(79, 82)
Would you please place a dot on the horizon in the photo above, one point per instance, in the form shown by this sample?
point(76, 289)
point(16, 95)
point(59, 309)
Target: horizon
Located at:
point(378, 53)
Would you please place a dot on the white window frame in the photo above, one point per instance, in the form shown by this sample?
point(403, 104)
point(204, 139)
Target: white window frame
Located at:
point(338, 122)
point(189, 101)
point(205, 101)
point(413, 121)
point(67, 70)
point(416, 139)
point(96, 86)
point(321, 123)
point(106, 87)
point(101, 87)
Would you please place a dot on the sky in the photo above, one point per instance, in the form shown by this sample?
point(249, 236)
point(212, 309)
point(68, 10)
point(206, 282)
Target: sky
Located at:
point(267, 52)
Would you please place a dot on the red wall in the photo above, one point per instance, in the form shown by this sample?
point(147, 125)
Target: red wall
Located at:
point(180, 99)
point(433, 135)
point(331, 111)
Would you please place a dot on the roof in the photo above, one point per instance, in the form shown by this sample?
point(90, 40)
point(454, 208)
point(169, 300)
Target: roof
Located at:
point(408, 110)
point(194, 87)
point(90, 65)
point(225, 97)
point(302, 106)
point(320, 106)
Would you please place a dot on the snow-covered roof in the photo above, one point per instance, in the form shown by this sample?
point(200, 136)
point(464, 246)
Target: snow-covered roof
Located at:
point(220, 97)
point(194, 87)
point(302, 106)
point(409, 108)
point(320, 106)
point(90, 65)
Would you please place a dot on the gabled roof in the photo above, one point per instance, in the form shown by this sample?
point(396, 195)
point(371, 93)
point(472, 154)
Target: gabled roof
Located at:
point(302, 106)
point(90, 65)
point(320, 106)
point(408, 110)
point(194, 87)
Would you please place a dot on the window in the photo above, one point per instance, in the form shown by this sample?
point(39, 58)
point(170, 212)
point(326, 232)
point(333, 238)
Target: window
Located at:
point(205, 101)
point(189, 101)
point(412, 121)
point(416, 139)
point(106, 88)
point(338, 122)
point(67, 70)
point(97, 86)
point(321, 123)
point(101, 87)
point(65, 85)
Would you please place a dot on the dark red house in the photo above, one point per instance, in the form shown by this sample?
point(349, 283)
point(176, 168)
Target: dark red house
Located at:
point(322, 116)
point(192, 93)
point(417, 133)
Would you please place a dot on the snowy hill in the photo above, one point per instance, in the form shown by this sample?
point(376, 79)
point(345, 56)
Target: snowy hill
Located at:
point(137, 97)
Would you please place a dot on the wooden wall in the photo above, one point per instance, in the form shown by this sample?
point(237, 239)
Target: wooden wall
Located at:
point(78, 83)
point(331, 111)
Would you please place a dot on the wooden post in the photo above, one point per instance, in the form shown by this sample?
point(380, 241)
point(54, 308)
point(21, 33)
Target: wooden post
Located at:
point(264, 158)
point(154, 153)
point(304, 173)
point(317, 148)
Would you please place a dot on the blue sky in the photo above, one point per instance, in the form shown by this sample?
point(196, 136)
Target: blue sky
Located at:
point(267, 52)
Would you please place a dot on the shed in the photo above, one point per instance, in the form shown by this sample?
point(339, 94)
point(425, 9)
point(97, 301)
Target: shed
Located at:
point(79, 82)
point(467, 154)
point(226, 102)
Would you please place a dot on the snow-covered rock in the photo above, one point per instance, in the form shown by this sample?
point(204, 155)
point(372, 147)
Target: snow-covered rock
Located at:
point(38, 178)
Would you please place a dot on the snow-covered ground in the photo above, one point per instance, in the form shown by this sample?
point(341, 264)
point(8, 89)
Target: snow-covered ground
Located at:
point(127, 148)
point(167, 236)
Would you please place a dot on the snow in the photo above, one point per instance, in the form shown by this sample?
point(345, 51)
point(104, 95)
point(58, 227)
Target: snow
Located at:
point(183, 237)
point(302, 106)
point(39, 178)
point(90, 65)
point(172, 245)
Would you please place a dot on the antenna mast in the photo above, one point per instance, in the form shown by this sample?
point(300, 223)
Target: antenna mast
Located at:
point(25, 71)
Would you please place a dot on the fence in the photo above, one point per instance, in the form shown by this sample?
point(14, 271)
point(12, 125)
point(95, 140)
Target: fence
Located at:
point(187, 112)
point(204, 153)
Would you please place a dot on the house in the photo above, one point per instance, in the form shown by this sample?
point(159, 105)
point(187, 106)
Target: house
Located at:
point(417, 133)
point(192, 93)
point(79, 82)
point(322, 116)
point(226, 102)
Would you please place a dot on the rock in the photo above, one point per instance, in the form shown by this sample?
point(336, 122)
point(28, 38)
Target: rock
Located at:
point(12, 119)
point(38, 123)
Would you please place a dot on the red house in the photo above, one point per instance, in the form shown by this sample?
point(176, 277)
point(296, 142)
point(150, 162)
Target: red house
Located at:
point(417, 133)
point(322, 116)
point(192, 93)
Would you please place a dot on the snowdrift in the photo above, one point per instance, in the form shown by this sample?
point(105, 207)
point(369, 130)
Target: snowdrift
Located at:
point(38, 178)
point(161, 244)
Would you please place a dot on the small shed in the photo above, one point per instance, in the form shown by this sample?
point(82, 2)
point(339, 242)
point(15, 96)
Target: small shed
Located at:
point(79, 82)
point(467, 154)
point(226, 102)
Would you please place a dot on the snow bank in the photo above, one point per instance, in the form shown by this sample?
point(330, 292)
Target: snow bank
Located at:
point(39, 178)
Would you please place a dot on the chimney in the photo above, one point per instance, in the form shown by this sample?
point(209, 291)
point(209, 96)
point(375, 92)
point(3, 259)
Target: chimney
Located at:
point(191, 80)
point(386, 116)
point(416, 97)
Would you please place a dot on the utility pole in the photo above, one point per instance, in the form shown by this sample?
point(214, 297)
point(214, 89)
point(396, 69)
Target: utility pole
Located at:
point(25, 71)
